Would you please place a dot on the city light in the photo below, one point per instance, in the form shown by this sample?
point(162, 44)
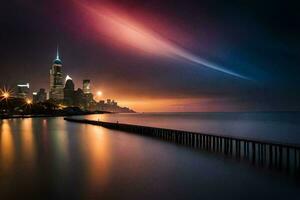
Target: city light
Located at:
point(99, 93)
point(61, 106)
point(25, 85)
point(28, 101)
point(76, 101)
point(5, 94)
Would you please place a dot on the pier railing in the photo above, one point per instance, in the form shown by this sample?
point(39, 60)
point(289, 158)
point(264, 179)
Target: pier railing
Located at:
point(266, 154)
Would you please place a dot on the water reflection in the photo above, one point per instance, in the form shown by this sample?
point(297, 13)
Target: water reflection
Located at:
point(49, 157)
point(271, 126)
point(7, 148)
point(27, 143)
point(96, 148)
point(56, 141)
point(45, 136)
point(60, 141)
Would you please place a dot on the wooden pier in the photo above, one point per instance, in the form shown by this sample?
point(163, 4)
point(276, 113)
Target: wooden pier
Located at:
point(285, 157)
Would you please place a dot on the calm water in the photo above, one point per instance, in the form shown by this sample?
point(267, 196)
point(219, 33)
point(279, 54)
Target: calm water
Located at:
point(282, 127)
point(53, 159)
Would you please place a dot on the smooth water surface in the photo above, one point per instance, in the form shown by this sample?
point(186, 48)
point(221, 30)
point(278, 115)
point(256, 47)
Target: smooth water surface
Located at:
point(271, 126)
point(54, 159)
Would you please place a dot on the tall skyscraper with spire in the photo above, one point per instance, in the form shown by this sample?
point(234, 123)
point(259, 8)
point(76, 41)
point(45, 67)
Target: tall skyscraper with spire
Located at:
point(56, 80)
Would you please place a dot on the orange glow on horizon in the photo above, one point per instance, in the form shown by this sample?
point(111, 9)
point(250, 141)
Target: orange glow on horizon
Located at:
point(204, 104)
point(158, 105)
point(99, 93)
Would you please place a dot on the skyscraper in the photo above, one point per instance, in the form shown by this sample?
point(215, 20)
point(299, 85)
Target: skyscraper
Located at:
point(87, 91)
point(69, 92)
point(56, 80)
point(86, 86)
point(34, 97)
point(41, 95)
point(23, 90)
point(79, 98)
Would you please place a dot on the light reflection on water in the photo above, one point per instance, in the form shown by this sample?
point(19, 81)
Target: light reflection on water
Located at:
point(56, 159)
point(96, 146)
point(7, 147)
point(27, 143)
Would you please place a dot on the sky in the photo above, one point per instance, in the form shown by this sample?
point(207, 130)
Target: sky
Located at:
point(160, 56)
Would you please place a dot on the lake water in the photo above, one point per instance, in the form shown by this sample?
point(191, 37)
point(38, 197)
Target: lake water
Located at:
point(49, 158)
point(270, 126)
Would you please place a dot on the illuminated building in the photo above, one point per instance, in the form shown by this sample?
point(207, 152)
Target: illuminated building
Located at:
point(86, 86)
point(56, 80)
point(87, 92)
point(23, 90)
point(79, 98)
point(34, 97)
point(111, 106)
point(41, 95)
point(69, 92)
point(114, 103)
point(108, 101)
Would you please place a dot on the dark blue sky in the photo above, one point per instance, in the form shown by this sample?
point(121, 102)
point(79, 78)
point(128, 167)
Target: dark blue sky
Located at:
point(254, 38)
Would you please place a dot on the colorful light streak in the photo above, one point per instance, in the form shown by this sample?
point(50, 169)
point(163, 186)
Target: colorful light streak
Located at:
point(119, 28)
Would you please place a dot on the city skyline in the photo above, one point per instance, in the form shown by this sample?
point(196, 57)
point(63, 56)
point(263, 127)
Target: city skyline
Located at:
point(61, 92)
point(249, 46)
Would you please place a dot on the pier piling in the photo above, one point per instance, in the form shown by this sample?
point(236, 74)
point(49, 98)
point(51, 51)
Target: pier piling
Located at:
point(262, 153)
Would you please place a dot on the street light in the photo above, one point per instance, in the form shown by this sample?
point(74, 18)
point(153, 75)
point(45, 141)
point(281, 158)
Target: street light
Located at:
point(5, 95)
point(28, 102)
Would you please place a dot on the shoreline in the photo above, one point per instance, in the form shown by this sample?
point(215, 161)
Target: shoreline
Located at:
point(51, 115)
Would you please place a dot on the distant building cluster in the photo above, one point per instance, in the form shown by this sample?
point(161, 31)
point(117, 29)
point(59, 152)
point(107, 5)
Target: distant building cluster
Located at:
point(40, 96)
point(62, 92)
point(23, 90)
